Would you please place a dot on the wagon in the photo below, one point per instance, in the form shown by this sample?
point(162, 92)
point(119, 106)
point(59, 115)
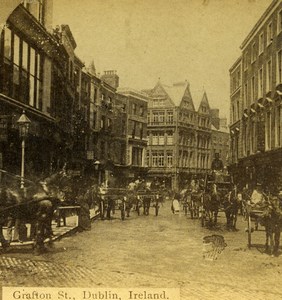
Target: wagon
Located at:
point(216, 186)
point(147, 199)
point(191, 202)
point(112, 199)
point(252, 216)
point(195, 204)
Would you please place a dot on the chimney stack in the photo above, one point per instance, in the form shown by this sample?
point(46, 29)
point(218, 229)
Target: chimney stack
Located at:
point(111, 78)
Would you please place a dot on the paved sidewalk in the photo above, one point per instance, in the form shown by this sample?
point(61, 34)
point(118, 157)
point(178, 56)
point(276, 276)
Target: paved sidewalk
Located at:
point(58, 232)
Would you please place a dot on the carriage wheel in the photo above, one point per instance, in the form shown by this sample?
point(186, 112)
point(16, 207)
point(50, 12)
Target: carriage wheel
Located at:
point(157, 209)
point(185, 209)
point(249, 231)
point(203, 218)
point(122, 213)
point(102, 210)
point(138, 209)
point(146, 211)
point(191, 213)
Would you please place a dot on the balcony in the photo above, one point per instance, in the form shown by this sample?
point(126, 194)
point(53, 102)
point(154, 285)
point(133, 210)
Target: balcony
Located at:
point(164, 123)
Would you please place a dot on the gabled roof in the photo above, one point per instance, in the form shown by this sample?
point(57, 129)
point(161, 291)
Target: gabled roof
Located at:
point(176, 92)
point(204, 101)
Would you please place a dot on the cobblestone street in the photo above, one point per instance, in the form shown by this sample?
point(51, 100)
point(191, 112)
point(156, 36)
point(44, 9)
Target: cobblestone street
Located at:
point(149, 251)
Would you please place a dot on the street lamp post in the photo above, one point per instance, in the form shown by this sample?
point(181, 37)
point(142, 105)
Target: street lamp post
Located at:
point(23, 123)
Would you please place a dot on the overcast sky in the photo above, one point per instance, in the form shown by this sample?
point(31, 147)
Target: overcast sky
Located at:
point(173, 40)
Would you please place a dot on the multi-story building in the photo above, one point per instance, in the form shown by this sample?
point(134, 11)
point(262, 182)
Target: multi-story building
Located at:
point(236, 112)
point(74, 113)
point(31, 61)
point(220, 141)
point(113, 138)
point(135, 104)
point(179, 136)
point(257, 117)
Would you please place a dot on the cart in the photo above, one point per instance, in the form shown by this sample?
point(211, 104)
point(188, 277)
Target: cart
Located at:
point(216, 186)
point(253, 215)
point(149, 199)
point(195, 204)
point(112, 199)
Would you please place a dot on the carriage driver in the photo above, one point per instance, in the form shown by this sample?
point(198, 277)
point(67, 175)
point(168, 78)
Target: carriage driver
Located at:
point(217, 164)
point(257, 195)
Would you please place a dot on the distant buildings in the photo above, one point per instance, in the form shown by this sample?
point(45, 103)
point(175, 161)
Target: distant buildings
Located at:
point(256, 90)
point(180, 135)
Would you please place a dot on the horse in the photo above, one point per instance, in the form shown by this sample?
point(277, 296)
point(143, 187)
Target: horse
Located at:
point(210, 203)
point(34, 205)
point(271, 219)
point(231, 207)
point(146, 204)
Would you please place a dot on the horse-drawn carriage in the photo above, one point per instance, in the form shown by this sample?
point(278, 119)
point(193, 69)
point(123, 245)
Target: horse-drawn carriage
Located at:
point(267, 213)
point(219, 193)
point(191, 202)
point(33, 204)
point(112, 199)
point(148, 198)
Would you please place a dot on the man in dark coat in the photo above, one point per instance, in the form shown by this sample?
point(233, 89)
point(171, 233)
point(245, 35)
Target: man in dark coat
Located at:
point(217, 164)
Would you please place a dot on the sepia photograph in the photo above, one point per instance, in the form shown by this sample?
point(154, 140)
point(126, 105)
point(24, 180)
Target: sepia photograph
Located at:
point(140, 149)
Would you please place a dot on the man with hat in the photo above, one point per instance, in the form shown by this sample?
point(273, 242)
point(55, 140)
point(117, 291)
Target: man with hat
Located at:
point(217, 164)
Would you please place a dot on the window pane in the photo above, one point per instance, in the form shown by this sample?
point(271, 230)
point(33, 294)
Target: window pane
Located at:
point(16, 77)
point(38, 66)
point(25, 56)
point(31, 91)
point(32, 61)
point(24, 93)
point(38, 95)
point(7, 43)
point(16, 50)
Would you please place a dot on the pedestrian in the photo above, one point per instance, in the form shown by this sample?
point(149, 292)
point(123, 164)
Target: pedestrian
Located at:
point(175, 203)
point(84, 201)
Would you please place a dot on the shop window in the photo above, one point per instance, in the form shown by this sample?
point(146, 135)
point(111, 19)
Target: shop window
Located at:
point(22, 78)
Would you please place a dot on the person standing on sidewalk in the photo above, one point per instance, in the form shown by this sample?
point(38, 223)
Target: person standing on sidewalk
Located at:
point(84, 200)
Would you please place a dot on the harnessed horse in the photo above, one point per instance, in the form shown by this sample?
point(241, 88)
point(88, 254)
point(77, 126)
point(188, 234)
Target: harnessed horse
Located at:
point(231, 208)
point(272, 221)
point(35, 206)
point(211, 202)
